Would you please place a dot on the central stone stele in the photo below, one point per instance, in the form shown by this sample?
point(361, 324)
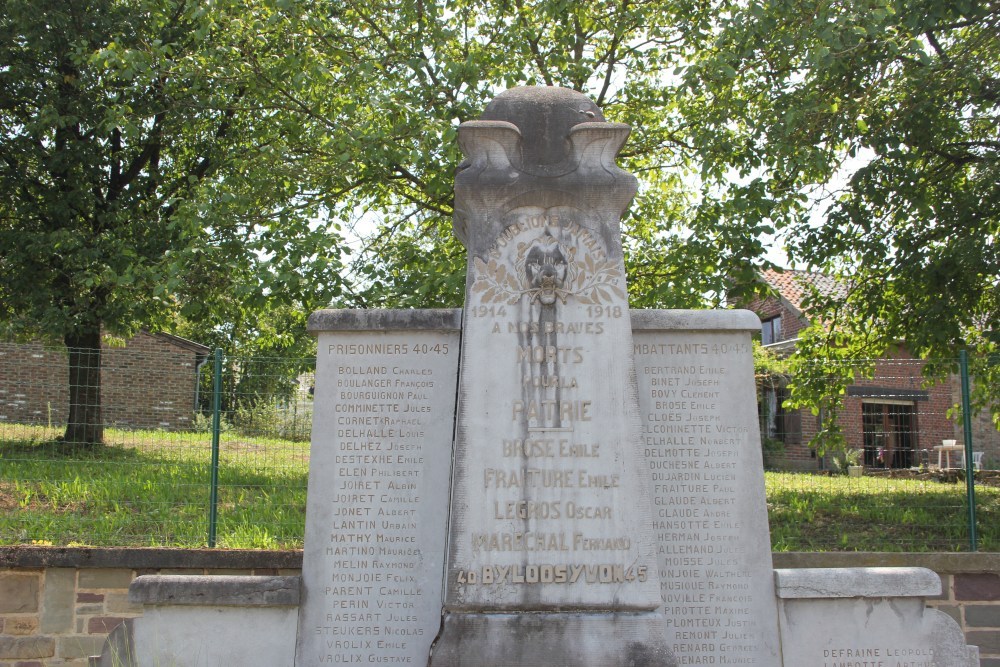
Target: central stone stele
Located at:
point(551, 555)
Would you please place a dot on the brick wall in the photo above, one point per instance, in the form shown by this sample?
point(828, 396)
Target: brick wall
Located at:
point(791, 321)
point(150, 383)
point(57, 605)
point(898, 371)
point(932, 424)
point(985, 436)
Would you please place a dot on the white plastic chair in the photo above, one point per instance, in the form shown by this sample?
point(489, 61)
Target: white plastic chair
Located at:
point(977, 460)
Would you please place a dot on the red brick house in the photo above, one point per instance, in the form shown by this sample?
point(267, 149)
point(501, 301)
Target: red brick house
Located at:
point(894, 418)
point(151, 383)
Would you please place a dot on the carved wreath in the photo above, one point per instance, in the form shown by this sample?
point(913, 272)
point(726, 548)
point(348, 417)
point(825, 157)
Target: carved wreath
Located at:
point(590, 281)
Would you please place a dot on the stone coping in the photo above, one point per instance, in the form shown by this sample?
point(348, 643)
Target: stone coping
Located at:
point(239, 559)
point(215, 591)
point(450, 319)
point(422, 319)
point(694, 320)
point(940, 562)
point(855, 582)
point(148, 558)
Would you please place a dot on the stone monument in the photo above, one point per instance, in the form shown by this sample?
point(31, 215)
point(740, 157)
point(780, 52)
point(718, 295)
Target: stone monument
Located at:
point(550, 535)
point(543, 477)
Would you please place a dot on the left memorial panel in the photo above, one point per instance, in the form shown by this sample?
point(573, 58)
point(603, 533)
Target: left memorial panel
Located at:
point(379, 478)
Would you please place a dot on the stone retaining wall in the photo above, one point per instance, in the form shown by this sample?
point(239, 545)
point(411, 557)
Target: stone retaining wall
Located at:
point(57, 605)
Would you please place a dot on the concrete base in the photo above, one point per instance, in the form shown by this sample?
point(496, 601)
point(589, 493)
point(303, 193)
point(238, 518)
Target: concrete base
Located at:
point(828, 616)
point(867, 616)
point(206, 621)
point(552, 639)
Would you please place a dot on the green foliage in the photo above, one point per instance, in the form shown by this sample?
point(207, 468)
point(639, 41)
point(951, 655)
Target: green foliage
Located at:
point(287, 421)
point(193, 166)
point(865, 133)
point(768, 364)
point(145, 174)
point(379, 89)
point(138, 173)
point(844, 459)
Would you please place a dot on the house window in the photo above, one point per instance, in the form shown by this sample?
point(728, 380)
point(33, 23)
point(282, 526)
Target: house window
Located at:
point(770, 330)
point(890, 434)
point(772, 413)
point(777, 422)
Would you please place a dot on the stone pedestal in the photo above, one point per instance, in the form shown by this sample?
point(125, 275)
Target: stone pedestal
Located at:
point(551, 557)
point(205, 621)
point(869, 617)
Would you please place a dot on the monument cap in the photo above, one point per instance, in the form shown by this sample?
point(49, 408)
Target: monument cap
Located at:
point(544, 116)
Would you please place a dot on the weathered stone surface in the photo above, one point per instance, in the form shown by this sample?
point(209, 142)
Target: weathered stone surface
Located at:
point(952, 610)
point(570, 639)
point(550, 509)
point(430, 319)
point(145, 560)
point(118, 603)
point(79, 646)
point(701, 442)
point(202, 635)
point(206, 635)
point(871, 582)
point(212, 590)
point(825, 624)
point(376, 521)
point(690, 321)
point(102, 625)
point(977, 586)
point(982, 615)
point(18, 593)
point(119, 648)
point(109, 578)
point(19, 625)
point(59, 600)
point(12, 648)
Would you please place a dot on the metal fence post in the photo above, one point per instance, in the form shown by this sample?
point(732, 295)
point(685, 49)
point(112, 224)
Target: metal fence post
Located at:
point(213, 501)
point(970, 480)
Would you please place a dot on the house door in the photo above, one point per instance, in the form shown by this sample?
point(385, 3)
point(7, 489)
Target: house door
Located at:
point(890, 434)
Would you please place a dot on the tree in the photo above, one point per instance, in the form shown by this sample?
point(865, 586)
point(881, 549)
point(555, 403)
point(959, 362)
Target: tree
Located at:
point(380, 88)
point(866, 133)
point(141, 175)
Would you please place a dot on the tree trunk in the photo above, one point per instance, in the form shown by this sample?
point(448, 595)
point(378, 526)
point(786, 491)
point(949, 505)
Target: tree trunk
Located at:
point(85, 425)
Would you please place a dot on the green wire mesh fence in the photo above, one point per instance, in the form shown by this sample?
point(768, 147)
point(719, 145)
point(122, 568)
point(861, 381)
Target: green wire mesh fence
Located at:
point(174, 418)
point(148, 481)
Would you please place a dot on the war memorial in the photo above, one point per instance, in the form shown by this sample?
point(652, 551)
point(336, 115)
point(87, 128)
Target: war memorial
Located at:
point(544, 477)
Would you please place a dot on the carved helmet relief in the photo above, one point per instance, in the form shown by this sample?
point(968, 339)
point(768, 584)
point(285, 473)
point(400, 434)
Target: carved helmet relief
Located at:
point(546, 256)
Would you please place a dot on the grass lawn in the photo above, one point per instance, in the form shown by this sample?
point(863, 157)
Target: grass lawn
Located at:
point(821, 513)
point(151, 488)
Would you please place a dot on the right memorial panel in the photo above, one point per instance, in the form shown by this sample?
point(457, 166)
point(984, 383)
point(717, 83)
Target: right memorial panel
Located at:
point(701, 438)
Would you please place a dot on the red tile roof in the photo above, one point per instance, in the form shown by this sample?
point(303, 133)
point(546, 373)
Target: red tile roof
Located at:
point(794, 285)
